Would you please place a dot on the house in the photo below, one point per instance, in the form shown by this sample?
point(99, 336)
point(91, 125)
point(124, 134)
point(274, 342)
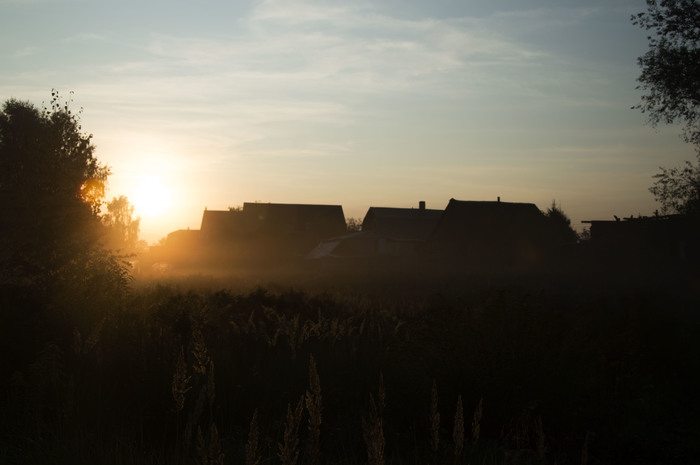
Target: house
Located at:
point(489, 233)
point(219, 225)
point(386, 233)
point(402, 223)
point(270, 230)
point(183, 238)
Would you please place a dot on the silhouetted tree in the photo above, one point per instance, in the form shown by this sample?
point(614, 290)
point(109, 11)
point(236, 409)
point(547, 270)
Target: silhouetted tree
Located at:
point(671, 78)
point(354, 224)
point(678, 190)
point(671, 68)
point(560, 226)
point(51, 188)
point(122, 229)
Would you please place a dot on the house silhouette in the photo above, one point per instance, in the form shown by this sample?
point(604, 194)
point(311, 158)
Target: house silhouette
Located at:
point(386, 233)
point(269, 230)
point(487, 232)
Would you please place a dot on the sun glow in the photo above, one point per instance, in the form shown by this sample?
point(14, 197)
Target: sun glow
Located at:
point(151, 198)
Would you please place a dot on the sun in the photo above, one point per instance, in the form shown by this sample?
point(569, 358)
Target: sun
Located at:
point(151, 197)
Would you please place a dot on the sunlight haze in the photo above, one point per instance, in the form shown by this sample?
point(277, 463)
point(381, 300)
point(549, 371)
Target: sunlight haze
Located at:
point(198, 104)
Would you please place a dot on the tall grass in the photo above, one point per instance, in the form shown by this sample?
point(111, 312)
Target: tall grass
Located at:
point(547, 374)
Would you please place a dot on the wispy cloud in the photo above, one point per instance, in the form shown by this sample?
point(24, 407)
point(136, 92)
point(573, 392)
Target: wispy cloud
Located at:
point(25, 52)
point(303, 63)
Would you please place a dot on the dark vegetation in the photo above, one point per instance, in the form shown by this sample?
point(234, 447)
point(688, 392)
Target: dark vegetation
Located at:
point(558, 363)
point(670, 79)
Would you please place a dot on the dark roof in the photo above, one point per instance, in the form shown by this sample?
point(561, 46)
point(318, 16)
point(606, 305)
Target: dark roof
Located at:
point(405, 223)
point(488, 229)
point(217, 224)
point(183, 238)
point(274, 219)
point(184, 234)
point(295, 218)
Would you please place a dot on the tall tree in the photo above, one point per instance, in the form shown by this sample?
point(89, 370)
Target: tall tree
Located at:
point(51, 187)
point(671, 79)
point(122, 229)
point(678, 190)
point(560, 226)
point(670, 73)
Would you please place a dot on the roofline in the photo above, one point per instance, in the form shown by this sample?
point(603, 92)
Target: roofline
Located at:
point(494, 202)
point(291, 204)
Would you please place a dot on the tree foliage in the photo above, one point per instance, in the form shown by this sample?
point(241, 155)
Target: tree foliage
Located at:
point(51, 189)
point(671, 68)
point(122, 229)
point(560, 226)
point(354, 224)
point(678, 190)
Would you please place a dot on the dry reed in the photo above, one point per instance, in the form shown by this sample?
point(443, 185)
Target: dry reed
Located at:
point(289, 449)
point(181, 382)
point(209, 452)
point(201, 355)
point(458, 432)
point(476, 423)
point(541, 439)
point(373, 430)
point(434, 419)
point(314, 407)
point(252, 449)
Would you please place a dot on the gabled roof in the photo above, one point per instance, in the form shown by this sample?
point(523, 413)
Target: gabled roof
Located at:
point(487, 214)
point(488, 229)
point(318, 221)
point(405, 223)
point(220, 223)
point(183, 238)
point(295, 218)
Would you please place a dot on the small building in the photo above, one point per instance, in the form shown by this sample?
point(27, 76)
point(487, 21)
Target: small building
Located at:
point(183, 238)
point(651, 238)
point(270, 230)
point(386, 233)
point(490, 233)
point(402, 223)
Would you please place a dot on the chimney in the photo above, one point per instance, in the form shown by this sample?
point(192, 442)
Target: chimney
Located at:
point(421, 205)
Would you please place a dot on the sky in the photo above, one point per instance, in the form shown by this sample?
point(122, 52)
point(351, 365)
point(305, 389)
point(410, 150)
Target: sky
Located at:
point(208, 104)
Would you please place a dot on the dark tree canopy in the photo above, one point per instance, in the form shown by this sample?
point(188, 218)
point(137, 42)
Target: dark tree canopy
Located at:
point(678, 190)
point(670, 73)
point(51, 187)
point(122, 229)
point(560, 226)
point(354, 224)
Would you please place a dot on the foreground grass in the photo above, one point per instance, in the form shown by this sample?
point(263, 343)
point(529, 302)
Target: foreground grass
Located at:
point(564, 370)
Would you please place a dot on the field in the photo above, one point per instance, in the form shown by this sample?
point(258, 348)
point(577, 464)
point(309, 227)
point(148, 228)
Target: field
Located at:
point(347, 366)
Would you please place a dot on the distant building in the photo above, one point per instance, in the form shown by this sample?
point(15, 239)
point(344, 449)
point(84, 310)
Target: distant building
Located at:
point(270, 230)
point(183, 238)
point(646, 238)
point(402, 223)
point(386, 233)
point(486, 232)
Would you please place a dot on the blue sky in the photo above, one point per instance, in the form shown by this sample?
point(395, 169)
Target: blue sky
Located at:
point(362, 104)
